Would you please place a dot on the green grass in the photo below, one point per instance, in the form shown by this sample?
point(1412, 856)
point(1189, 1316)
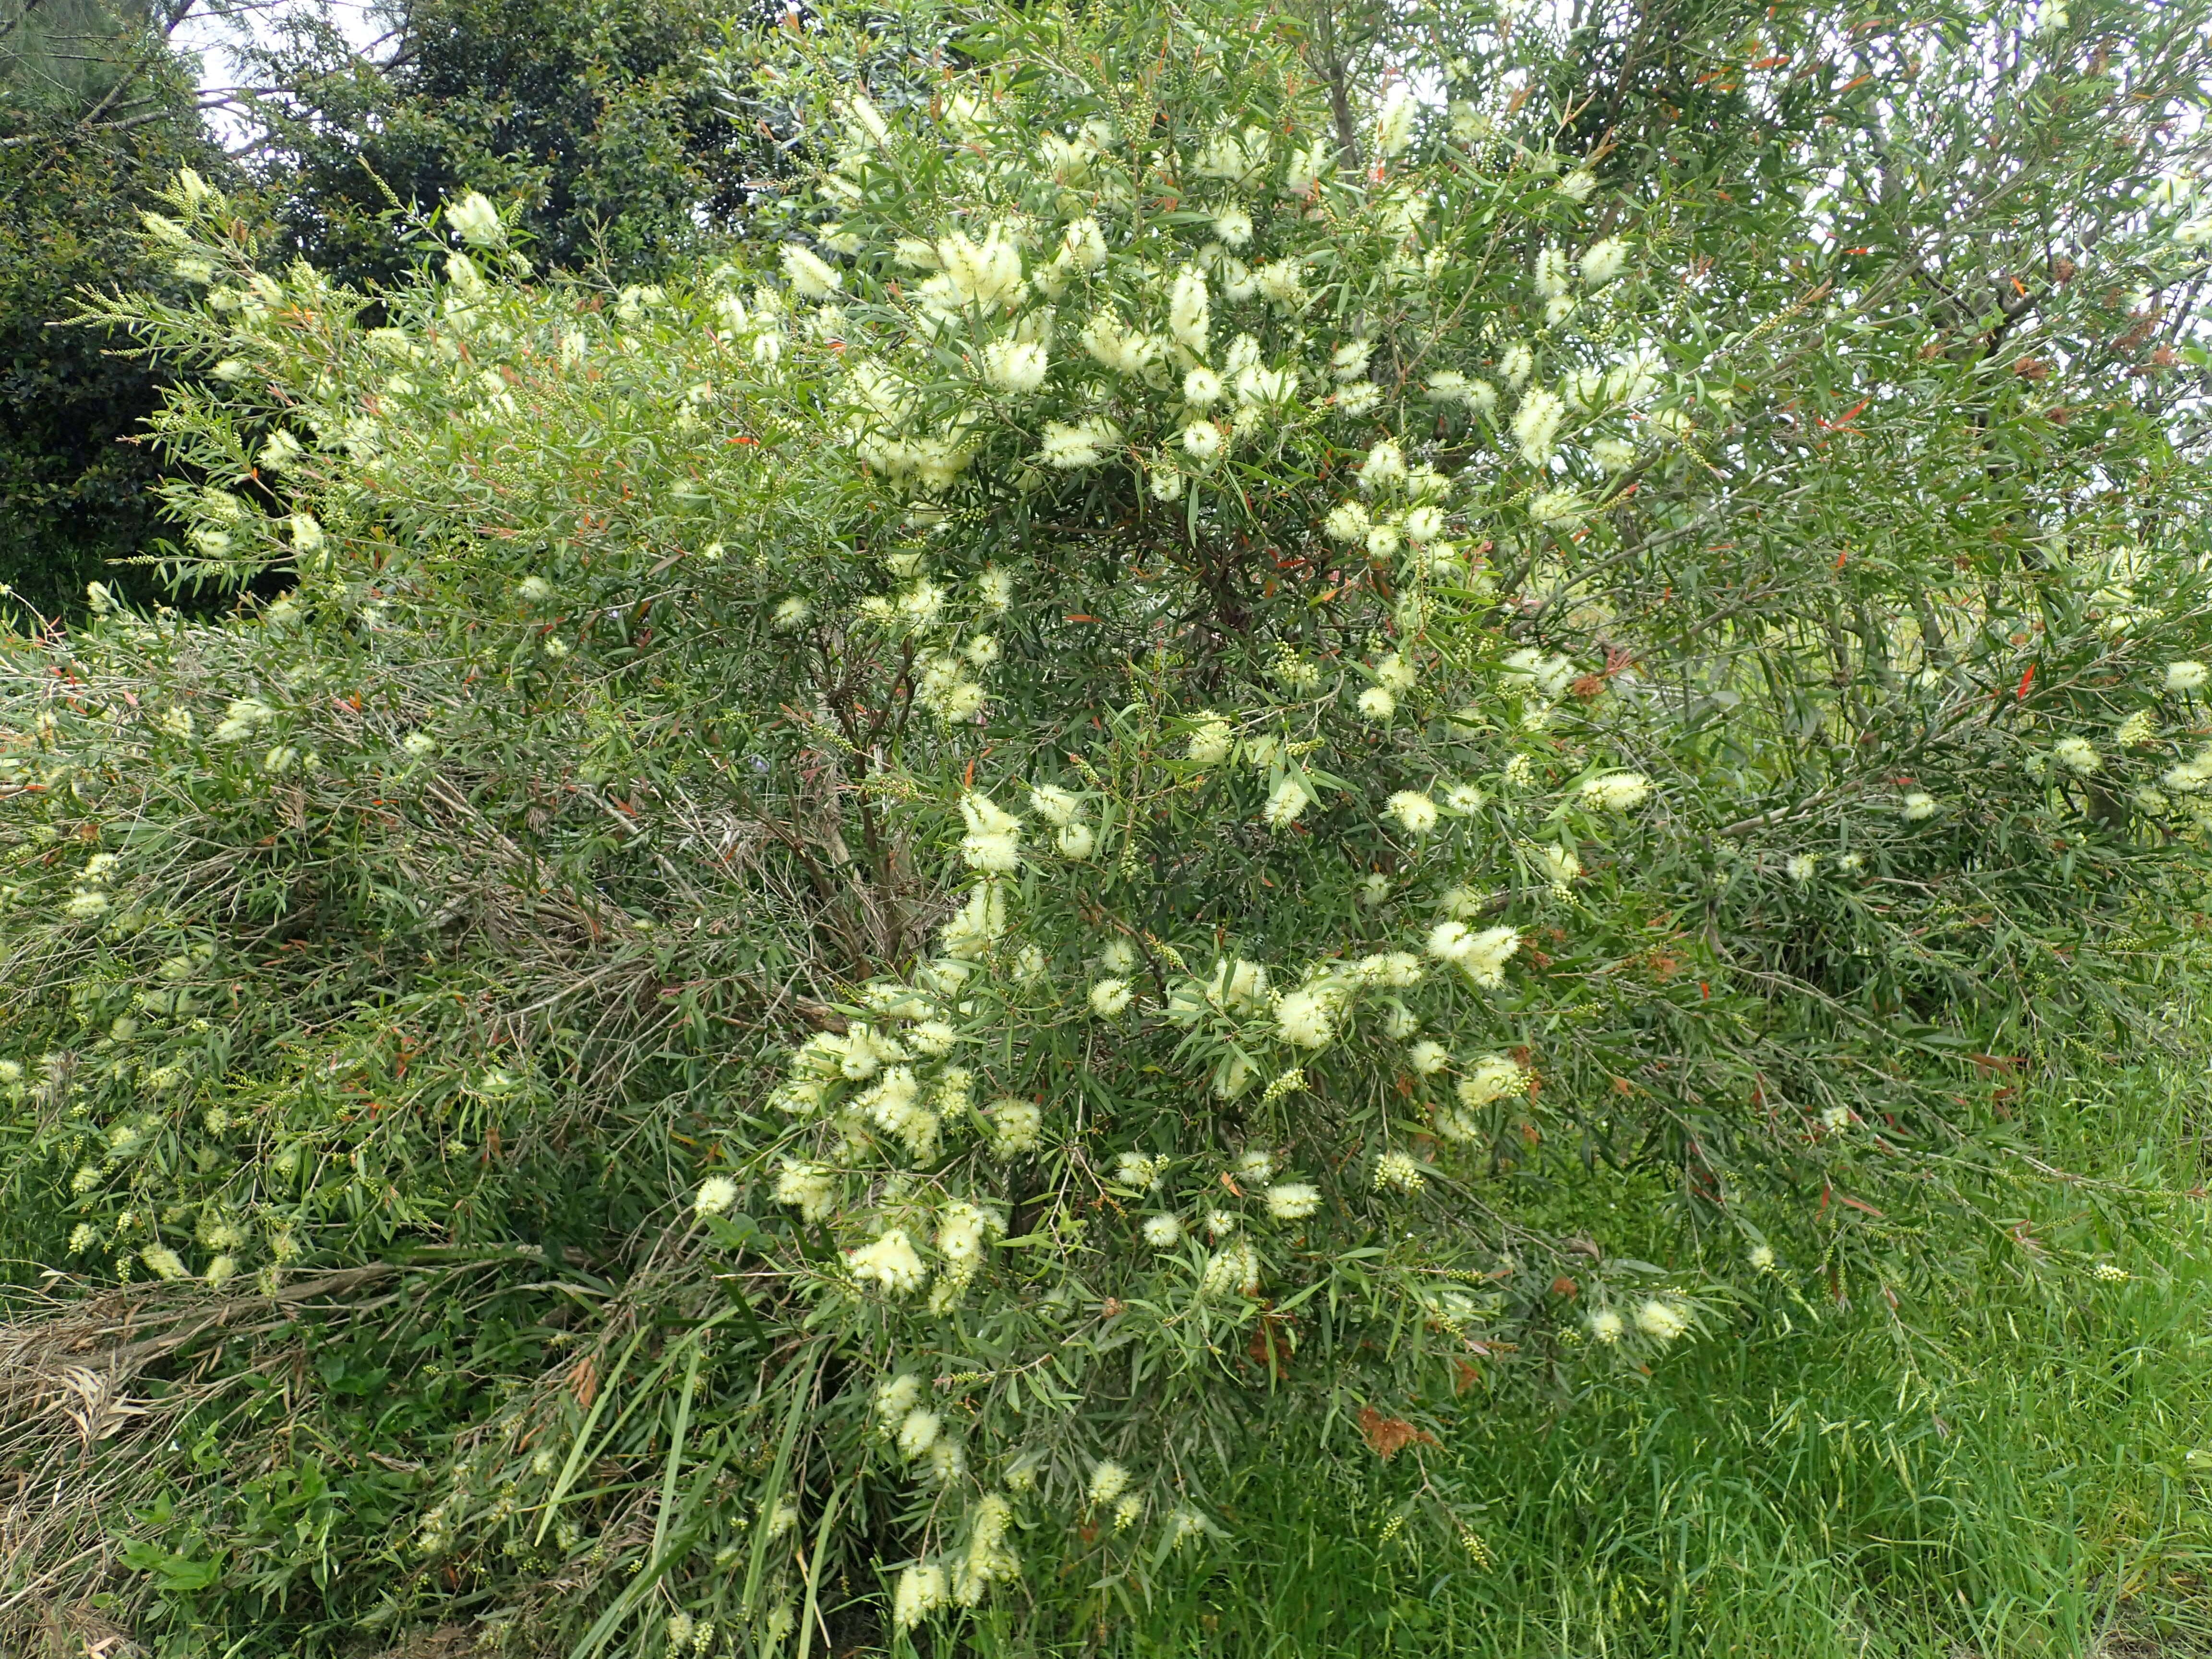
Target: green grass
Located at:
point(2007, 1471)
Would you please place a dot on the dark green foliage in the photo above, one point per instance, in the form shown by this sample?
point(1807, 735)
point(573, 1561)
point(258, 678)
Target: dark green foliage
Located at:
point(94, 114)
point(598, 117)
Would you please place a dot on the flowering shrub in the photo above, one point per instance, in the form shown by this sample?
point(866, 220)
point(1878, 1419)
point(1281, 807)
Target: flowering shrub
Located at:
point(1122, 790)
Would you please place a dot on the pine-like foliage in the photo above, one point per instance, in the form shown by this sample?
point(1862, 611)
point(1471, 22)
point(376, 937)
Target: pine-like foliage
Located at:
point(865, 912)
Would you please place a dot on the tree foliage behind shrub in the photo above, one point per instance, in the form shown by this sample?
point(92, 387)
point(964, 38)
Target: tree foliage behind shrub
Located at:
point(1129, 791)
point(95, 114)
point(602, 119)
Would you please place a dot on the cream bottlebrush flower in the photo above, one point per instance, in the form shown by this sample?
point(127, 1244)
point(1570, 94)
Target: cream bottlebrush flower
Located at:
point(961, 1232)
point(1449, 941)
point(1117, 955)
point(1493, 1077)
point(1202, 387)
point(1536, 425)
point(1109, 997)
point(1384, 467)
point(1394, 121)
point(800, 1097)
point(1238, 284)
point(2139, 728)
point(1606, 1327)
point(982, 919)
point(1392, 671)
point(1162, 1232)
point(1836, 1118)
point(476, 221)
point(1517, 365)
point(794, 613)
point(1557, 509)
point(1210, 741)
point(1015, 365)
point(1613, 454)
point(1081, 444)
point(1232, 1272)
point(890, 1261)
point(1762, 1258)
point(1551, 274)
point(1140, 1171)
point(933, 1038)
point(988, 1559)
point(1293, 1201)
point(1346, 522)
point(164, 1262)
point(1426, 1058)
point(993, 839)
point(1577, 185)
point(1603, 261)
point(1399, 1172)
point(2191, 775)
point(1016, 1126)
point(1616, 792)
point(1307, 1017)
point(1486, 955)
point(1188, 309)
point(281, 450)
point(1377, 704)
point(1383, 542)
point(1202, 442)
point(716, 1194)
point(2182, 677)
point(920, 1592)
point(1260, 388)
point(1220, 1223)
point(1054, 804)
point(1463, 798)
point(810, 276)
point(806, 1189)
point(1558, 864)
point(1663, 1322)
point(1800, 866)
point(1424, 525)
point(1393, 968)
point(986, 273)
point(1308, 167)
point(1239, 985)
point(1916, 805)
point(917, 1432)
point(1284, 802)
point(1357, 398)
point(1414, 810)
point(1282, 283)
point(1116, 346)
point(1108, 1482)
point(1233, 225)
point(2076, 755)
point(1083, 245)
point(1348, 362)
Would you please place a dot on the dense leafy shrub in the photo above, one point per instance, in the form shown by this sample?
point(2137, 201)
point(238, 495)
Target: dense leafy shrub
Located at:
point(1132, 792)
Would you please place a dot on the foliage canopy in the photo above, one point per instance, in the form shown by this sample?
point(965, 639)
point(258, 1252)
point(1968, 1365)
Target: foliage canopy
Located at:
point(900, 897)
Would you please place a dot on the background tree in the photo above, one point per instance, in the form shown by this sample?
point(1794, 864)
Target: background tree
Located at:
point(96, 112)
point(600, 119)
